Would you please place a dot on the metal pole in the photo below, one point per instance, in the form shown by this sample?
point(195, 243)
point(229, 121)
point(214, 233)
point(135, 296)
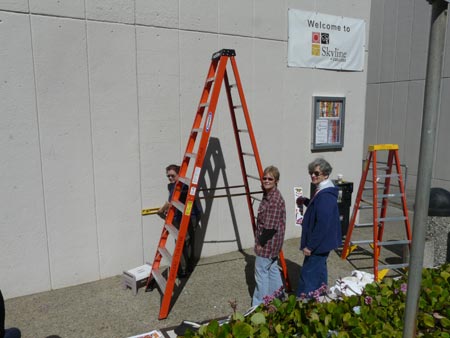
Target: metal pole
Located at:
point(429, 123)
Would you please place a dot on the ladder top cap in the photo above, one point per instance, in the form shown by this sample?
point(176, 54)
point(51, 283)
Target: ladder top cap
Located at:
point(373, 147)
point(223, 52)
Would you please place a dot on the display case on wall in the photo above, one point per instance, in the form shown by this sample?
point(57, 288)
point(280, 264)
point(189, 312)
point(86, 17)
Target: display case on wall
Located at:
point(328, 116)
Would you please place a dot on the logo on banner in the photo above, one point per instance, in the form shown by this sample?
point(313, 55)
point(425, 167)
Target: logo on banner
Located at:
point(319, 39)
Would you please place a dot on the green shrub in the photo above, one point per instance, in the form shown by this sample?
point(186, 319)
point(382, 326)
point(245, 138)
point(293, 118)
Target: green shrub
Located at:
point(377, 312)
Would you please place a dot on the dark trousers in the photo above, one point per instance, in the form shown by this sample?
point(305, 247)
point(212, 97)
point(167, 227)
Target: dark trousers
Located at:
point(188, 258)
point(313, 275)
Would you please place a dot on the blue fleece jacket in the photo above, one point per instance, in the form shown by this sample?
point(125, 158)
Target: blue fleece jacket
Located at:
point(321, 226)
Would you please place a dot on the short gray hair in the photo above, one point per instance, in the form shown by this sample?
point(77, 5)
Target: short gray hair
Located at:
point(324, 166)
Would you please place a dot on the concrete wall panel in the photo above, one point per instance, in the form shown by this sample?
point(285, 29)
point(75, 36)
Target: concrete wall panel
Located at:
point(443, 139)
point(413, 125)
point(159, 121)
point(24, 249)
point(419, 38)
point(371, 118)
point(14, 5)
point(236, 17)
point(159, 13)
point(375, 41)
point(67, 8)
point(118, 11)
point(199, 15)
point(112, 69)
point(403, 41)
point(389, 40)
point(397, 127)
point(270, 19)
point(65, 129)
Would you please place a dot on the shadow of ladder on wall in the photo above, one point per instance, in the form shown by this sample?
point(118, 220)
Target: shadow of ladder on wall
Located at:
point(379, 204)
point(191, 167)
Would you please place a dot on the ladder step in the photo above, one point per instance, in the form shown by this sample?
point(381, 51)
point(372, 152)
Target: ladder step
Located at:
point(197, 130)
point(363, 225)
point(166, 254)
point(233, 85)
point(392, 219)
point(203, 105)
point(393, 266)
point(160, 280)
point(388, 175)
point(184, 180)
point(369, 206)
point(172, 229)
point(210, 79)
point(390, 195)
point(242, 131)
point(388, 243)
point(254, 177)
point(248, 154)
point(239, 106)
point(398, 242)
point(178, 205)
point(191, 155)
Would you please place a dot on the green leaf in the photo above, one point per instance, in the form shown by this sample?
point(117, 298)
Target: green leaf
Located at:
point(428, 320)
point(242, 330)
point(445, 322)
point(258, 319)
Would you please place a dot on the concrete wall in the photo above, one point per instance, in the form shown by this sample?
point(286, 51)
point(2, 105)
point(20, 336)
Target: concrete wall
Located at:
point(398, 49)
point(97, 97)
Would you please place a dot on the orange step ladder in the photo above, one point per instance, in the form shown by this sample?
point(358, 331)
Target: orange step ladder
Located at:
point(189, 175)
point(382, 177)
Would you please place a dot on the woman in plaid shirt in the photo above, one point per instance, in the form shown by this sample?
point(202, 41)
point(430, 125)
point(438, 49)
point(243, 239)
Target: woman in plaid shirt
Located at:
point(269, 237)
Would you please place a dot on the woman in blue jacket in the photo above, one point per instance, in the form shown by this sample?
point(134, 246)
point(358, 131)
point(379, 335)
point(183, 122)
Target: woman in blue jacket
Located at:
point(321, 228)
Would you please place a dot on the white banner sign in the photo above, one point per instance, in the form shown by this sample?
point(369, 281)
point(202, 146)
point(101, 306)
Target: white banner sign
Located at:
point(325, 41)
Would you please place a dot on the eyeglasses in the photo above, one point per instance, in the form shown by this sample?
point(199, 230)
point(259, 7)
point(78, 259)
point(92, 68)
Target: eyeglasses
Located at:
point(315, 173)
point(268, 179)
point(170, 176)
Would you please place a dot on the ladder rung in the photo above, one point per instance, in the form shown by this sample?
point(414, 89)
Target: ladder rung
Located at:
point(197, 130)
point(165, 253)
point(363, 225)
point(178, 205)
point(370, 241)
point(237, 106)
point(248, 154)
point(388, 175)
point(364, 241)
point(191, 155)
point(369, 206)
point(254, 177)
point(242, 131)
point(398, 242)
point(393, 266)
point(172, 230)
point(390, 195)
point(184, 180)
point(160, 280)
point(203, 105)
point(233, 85)
point(210, 79)
point(392, 219)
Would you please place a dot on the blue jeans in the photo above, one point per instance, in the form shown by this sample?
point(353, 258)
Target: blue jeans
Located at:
point(267, 278)
point(12, 333)
point(314, 273)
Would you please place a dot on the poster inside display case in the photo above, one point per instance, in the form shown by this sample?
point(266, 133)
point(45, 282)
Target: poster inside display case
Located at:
point(328, 119)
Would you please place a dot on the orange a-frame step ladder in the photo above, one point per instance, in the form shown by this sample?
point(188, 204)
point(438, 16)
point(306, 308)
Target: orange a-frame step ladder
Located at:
point(189, 175)
point(382, 177)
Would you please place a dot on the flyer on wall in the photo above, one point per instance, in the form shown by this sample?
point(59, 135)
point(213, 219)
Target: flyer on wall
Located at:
point(298, 191)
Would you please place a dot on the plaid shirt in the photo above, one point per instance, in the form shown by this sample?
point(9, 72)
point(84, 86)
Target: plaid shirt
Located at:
point(271, 215)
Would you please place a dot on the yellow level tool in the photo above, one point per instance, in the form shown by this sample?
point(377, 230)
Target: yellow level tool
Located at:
point(150, 211)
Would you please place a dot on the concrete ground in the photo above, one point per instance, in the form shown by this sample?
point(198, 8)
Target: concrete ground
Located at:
point(104, 309)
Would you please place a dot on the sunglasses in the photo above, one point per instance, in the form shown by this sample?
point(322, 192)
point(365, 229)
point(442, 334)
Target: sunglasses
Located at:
point(268, 179)
point(170, 176)
point(315, 173)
